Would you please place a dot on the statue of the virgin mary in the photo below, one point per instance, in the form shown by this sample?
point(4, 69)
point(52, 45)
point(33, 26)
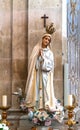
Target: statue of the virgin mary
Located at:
point(39, 86)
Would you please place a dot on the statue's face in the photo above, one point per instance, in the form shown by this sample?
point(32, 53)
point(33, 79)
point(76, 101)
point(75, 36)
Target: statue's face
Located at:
point(45, 41)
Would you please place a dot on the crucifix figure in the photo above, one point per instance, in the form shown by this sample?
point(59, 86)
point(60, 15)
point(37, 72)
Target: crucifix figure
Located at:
point(44, 17)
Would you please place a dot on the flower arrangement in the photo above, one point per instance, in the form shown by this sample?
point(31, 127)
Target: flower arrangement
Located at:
point(42, 117)
point(45, 117)
point(3, 127)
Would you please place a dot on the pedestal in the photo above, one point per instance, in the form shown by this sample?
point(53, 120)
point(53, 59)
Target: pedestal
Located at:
point(41, 128)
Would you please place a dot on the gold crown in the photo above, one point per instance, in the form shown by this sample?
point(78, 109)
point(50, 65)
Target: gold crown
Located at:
point(50, 28)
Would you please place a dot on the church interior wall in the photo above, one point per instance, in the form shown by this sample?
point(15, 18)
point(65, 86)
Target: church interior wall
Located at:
point(13, 48)
point(21, 27)
point(21, 30)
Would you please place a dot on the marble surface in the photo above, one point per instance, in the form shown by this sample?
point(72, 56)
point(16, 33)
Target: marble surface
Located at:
point(61, 127)
point(20, 121)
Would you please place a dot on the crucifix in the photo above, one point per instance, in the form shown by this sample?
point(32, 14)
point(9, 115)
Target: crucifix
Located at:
point(44, 17)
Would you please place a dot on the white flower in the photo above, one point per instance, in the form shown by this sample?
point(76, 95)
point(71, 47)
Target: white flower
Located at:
point(41, 115)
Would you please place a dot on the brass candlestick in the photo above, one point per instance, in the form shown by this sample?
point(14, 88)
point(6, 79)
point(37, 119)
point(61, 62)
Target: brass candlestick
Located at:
point(4, 114)
point(70, 122)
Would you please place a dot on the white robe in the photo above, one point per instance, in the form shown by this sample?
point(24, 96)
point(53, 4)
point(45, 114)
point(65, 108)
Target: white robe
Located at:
point(39, 87)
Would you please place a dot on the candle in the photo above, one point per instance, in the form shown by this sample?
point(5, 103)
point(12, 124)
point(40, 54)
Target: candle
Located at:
point(70, 100)
point(4, 100)
point(66, 83)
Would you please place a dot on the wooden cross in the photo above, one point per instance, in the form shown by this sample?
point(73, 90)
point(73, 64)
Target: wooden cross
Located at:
point(44, 17)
